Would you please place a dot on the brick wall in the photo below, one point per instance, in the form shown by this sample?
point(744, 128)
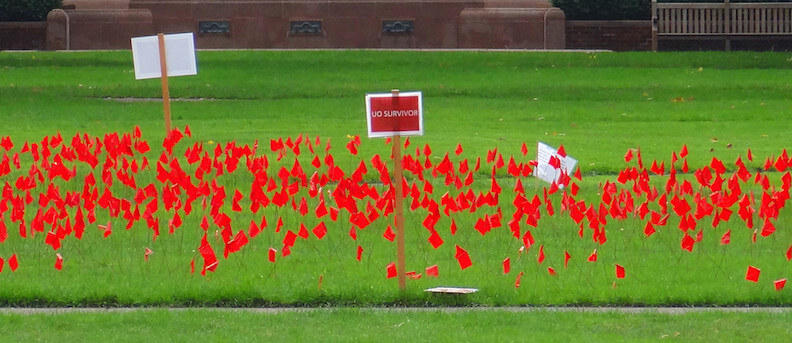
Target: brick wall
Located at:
point(22, 35)
point(617, 35)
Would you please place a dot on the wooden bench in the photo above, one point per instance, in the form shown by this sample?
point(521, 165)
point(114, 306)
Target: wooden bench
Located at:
point(720, 20)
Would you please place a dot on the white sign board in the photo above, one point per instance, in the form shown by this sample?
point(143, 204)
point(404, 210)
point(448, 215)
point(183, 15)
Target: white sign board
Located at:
point(179, 56)
point(547, 172)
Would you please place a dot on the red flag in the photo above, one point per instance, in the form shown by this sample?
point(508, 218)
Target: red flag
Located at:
point(458, 150)
point(628, 156)
point(541, 256)
point(192, 266)
point(752, 274)
point(272, 254)
point(359, 253)
point(789, 253)
point(506, 266)
point(435, 239)
point(2, 262)
point(619, 272)
point(208, 254)
point(726, 237)
point(388, 234)
point(303, 232)
point(253, 230)
point(561, 151)
point(58, 261)
point(453, 227)
point(320, 230)
point(566, 259)
point(12, 263)
point(779, 284)
point(687, 243)
point(391, 270)
point(768, 228)
point(649, 229)
point(517, 280)
point(431, 271)
point(528, 240)
point(593, 256)
point(551, 271)
point(463, 258)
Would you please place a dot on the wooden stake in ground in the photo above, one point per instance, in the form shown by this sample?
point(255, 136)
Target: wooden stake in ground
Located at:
point(394, 115)
point(398, 203)
point(164, 79)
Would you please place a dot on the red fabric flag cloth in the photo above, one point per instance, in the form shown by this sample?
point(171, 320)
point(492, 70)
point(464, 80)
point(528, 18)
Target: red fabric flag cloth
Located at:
point(388, 234)
point(147, 253)
point(752, 274)
point(506, 266)
point(551, 271)
point(517, 280)
point(272, 254)
point(789, 253)
point(320, 230)
point(432, 271)
point(779, 284)
point(192, 266)
point(391, 270)
point(541, 257)
point(619, 272)
point(359, 253)
point(303, 232)
point(58, 261)
point(458, 150)
point(2, 262)
point(208, 254)
point(12, 263)
point(566, 259)
point(593, 256)
point(435, 239)
point(463, 258)
point(727, 238)
point(628, 156)
point(688, 243)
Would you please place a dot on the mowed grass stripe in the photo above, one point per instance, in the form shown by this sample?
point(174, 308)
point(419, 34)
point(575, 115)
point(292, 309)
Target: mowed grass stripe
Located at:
point(356, 325)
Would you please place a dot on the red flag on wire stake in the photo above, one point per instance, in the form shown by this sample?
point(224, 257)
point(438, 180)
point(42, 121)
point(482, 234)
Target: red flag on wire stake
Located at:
point(58, 262)
point(619, 272)
point(432, 271)
point(391, 270)
point(779, 284)
point(463, 258)
point(12, 263)
point(752, 274)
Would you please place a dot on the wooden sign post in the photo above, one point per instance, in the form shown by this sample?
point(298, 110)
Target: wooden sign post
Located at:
point(398, 200)
point(164, 79)
point(402, 115)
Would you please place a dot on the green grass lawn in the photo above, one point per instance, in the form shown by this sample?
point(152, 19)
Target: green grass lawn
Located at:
point(356, 325)
point(718, 105)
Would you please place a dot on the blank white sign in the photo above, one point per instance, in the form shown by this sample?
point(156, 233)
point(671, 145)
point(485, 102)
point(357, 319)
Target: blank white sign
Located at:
point(179, 56)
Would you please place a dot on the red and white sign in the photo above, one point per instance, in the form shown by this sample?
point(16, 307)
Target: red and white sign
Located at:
point(390, 114)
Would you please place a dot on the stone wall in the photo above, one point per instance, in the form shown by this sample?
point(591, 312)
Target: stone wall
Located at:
point(22, 35)
point(617, 35)
point(266, 24)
